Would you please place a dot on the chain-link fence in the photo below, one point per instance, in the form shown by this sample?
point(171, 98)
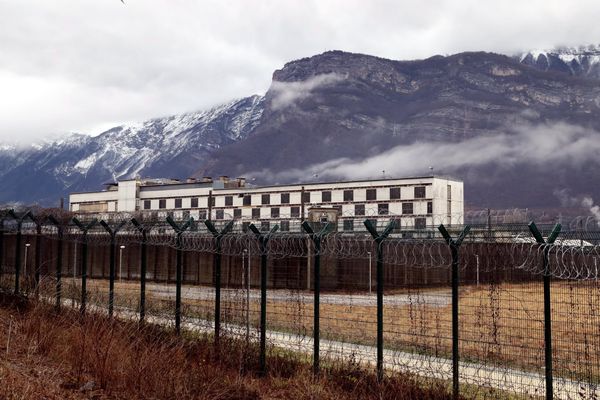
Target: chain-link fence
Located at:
point(494, 311)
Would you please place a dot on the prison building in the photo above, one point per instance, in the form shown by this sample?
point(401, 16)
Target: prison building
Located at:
point(414, 203)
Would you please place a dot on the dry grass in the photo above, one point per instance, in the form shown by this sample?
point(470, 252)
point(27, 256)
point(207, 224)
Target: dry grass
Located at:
point(499, 324)
point(69, 356)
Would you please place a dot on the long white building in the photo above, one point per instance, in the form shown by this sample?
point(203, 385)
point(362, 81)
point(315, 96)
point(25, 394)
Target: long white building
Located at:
point(414, 202)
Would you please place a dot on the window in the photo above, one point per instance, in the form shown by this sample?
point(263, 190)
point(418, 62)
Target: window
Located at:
point(407, 208)
point(284, 226)
point(194, 202)
point(265, 226)
point(394, 193)
point(295, 212)
point(429, 207)
point(177, 203)
point(245, 226)
point(420, 223)
point(146, 204)
point(162, 203)
point(449, 208)
point(285, 198)
point(266, 199)
point(237, 213)
point(247, 200)
point(256, 213)
point(275, 212)
point(359, 209)
point(348, 195)
point(228, 200)
point(212, 201)
point(382, 209)
point(202, 214)
point(185, 215)
point(371, 194)
point(449, 192)
point(306, 197)
point(220, 214)
point(348, 224)
point(419, 192)
point(326, 196)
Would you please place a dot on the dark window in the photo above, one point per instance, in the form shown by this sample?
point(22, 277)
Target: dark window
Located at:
point(245, 226)
point(394, 193)
point(275, 212)
point(194, 202)
point(306, 197)
point(162, 203)
point(177, 203)
point(237, 213)
point(326, 196)
point(186, 215)
point(212, 201)
point(348, 224)
point(256, 213)
point(220, 214)
point(348, 195)
point(407, 208)
point(285, 198)
point(359, 209)
point(265, 226)
point(228, 200)
point(429, 207)
point(247, 200)
point(382, 209)
point(420, 192)
point(371, 194)
point(284, 226)
point(266, 199)
point(202, 214)
point(420, 223)
point(295, 212)
point(146, 204)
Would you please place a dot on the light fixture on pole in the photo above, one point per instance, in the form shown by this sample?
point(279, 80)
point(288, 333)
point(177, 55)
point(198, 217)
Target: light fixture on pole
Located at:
point(121, 262)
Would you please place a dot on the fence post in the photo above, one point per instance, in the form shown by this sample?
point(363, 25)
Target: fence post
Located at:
point(19, 239)
point(454, 247)
point(1, 248)
point(143, 268)
point(59, 256)
point(38, 254)
point(84, 249)
point(112, 260)
point(179, 231)
point(263, 239)
point(379, 238)
point(316, 238)
point(218, 235)
point(547, 304)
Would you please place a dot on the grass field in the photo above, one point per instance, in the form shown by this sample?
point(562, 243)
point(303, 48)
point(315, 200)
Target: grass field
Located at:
point(500, 325)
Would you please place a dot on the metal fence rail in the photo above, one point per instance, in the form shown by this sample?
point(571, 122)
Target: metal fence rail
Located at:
point(513, 310)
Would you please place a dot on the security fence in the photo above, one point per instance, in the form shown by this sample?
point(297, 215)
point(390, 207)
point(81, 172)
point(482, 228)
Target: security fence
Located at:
point(510, 310)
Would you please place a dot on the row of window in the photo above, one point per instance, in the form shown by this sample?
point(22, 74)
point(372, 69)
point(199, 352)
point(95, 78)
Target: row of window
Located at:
point(275, 212)
point(371, 195)
point(350, 224)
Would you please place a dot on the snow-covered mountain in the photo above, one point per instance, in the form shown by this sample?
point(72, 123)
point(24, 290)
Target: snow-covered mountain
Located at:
point(168, 147)
point(579, 61)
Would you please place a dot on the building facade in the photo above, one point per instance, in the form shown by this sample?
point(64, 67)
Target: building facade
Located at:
point(414, 203)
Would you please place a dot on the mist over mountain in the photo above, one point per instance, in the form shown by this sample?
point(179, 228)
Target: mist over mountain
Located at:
point(515, 128)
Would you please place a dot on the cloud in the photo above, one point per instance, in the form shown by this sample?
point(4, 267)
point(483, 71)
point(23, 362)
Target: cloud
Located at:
point(78, 65)
point(287, 93)
point(562, 143)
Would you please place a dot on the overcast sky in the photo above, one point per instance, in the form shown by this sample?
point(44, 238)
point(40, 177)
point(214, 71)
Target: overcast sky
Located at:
point(86, 65)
